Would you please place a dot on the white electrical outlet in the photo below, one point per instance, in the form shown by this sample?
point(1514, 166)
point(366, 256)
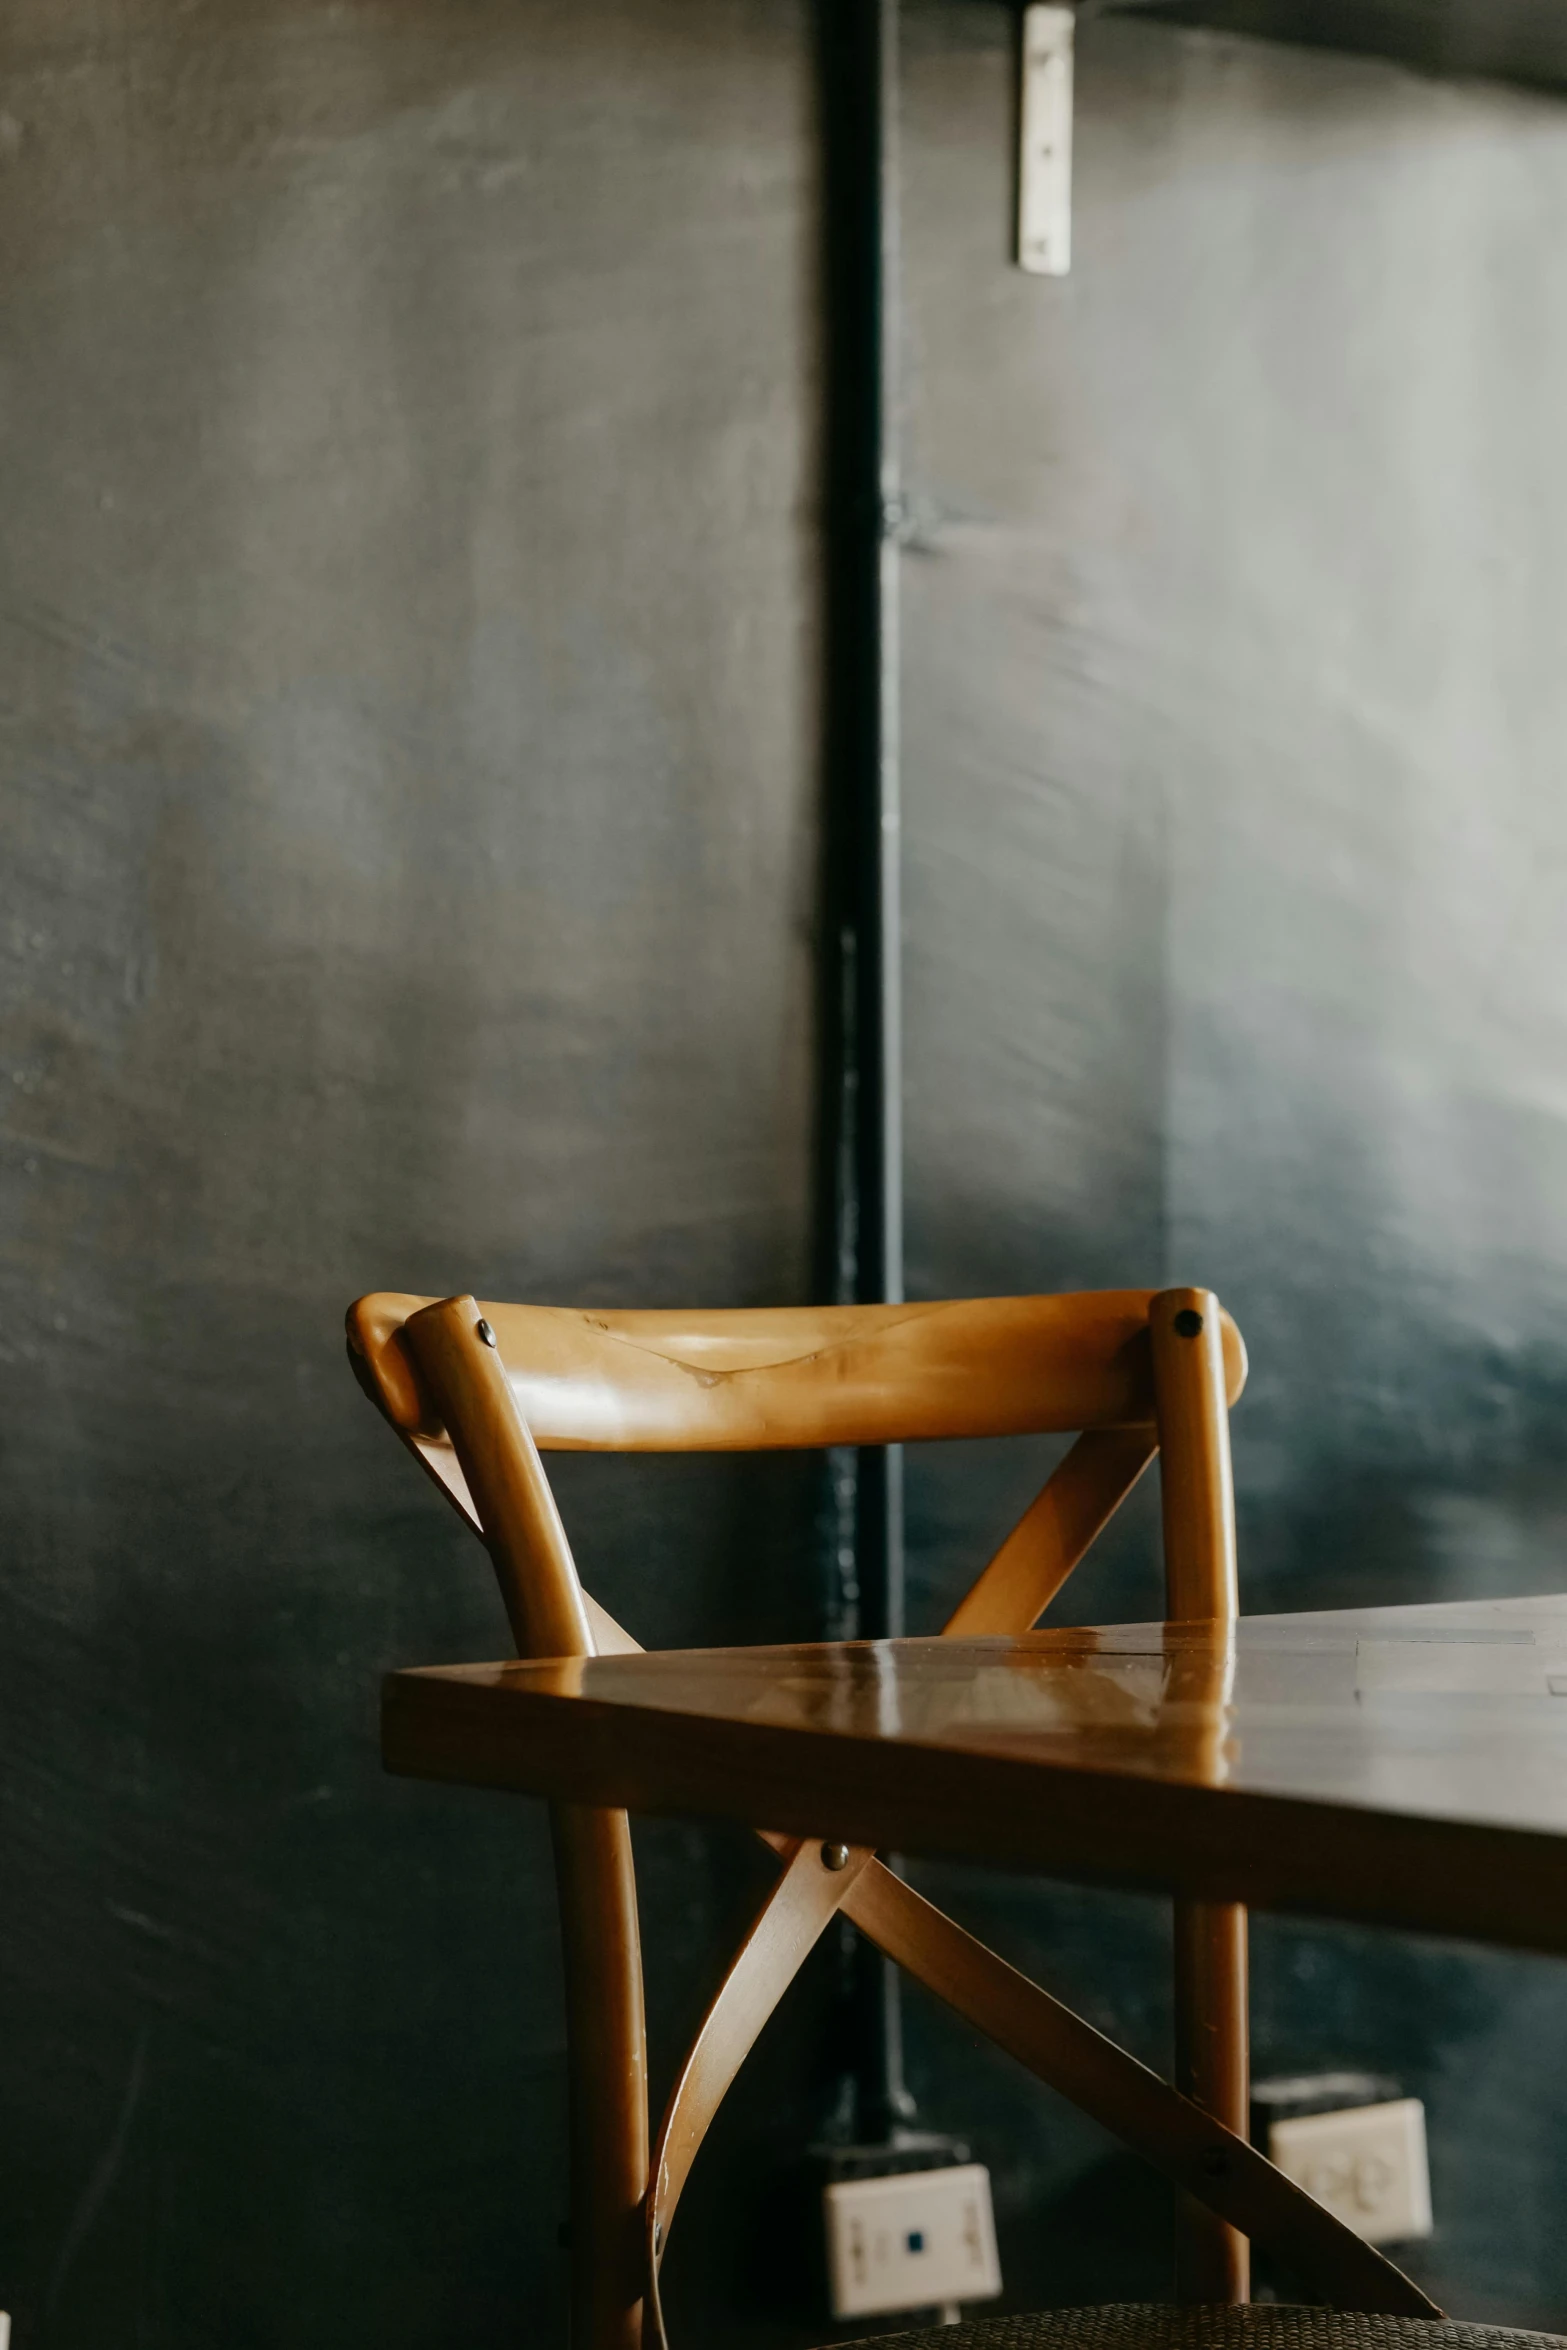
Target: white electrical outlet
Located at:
point(1367, 2164)
point(915, 2241)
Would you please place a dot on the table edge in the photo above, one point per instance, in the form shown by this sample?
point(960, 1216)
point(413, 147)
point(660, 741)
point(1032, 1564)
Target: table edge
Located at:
point(1474, 1880)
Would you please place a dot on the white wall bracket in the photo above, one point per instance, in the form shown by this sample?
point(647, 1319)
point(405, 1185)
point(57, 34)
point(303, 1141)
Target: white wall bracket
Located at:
point(1044, 169)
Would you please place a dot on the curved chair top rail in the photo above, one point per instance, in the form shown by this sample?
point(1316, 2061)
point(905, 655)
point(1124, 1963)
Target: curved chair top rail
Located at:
point(752, 1380)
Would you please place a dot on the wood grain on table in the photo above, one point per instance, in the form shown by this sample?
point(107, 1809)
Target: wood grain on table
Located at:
point(1406, 1766)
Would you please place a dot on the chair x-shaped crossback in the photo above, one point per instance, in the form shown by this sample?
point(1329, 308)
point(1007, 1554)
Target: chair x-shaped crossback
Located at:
point(474, 1391)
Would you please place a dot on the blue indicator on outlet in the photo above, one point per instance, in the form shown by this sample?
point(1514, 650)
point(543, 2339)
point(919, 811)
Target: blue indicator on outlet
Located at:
point(914, 2241)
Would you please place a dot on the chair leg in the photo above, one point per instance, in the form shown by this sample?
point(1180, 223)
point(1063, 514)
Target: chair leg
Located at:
point(1213, 2261)
point(1212, 2067)
point(607, 2051)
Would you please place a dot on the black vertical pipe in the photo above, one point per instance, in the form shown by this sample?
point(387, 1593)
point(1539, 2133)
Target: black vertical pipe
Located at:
point(858, 49)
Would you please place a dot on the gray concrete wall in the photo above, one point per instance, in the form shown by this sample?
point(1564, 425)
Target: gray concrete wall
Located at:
point(1517, 40)
point(1237, 842)
point(409, 770)
point(410, 746)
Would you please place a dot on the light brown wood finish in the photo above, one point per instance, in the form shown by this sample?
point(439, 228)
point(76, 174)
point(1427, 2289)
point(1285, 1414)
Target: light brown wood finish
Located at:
point(797, 1376)
point(462, 1375)
point(1401, 1767)
point(1211, 2008)
point(1213, 2261)
point(1209, 2163)
point(1054, 1533)
point(502, 1487)
point(810, 1376)
point(1212, 2037)
point(806, 1899)
point(1200, 2157)
point(606, 2042)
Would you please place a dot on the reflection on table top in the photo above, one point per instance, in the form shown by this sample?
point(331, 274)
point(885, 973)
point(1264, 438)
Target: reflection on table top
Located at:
point(1402, 1763)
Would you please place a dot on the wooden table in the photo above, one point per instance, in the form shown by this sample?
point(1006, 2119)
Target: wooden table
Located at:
point(1406, 1766)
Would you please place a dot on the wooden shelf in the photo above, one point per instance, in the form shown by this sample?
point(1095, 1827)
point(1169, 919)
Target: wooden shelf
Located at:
point(1507, 40)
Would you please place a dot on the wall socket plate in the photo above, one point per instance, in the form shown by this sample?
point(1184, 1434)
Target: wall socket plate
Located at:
point(914, 2241)
point(1367, 2164)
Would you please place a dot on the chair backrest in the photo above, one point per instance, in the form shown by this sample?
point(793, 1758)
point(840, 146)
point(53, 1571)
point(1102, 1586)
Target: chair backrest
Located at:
point(475, 1391)
point(795, 1376)
point(567, 1379)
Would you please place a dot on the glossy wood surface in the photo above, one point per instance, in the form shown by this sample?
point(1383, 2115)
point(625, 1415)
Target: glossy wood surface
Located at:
point(1196, 1495)
point(1213, 2167)
point(796, 1375)
point(1401, 1765)
point(490, 1470)
point(1212, 2036)
point(461, 1372)
point(797, 1911)
point(595, 1884)
point(1055, 1532)
point(454, 1393)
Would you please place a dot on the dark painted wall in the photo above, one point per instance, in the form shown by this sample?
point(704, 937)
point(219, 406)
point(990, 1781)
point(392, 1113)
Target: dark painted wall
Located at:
point(409, 781)
point(1524, 40)
point(410, 747)
point(1237, 841)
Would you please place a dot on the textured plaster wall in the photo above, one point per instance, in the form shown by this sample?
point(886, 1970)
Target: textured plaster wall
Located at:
point(1237, 843)
point(408, 759)
point(409, 742)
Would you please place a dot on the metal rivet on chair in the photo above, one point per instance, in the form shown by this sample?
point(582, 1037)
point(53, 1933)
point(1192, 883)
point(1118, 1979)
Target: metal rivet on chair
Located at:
point(490, 1339)
point(1188, 1323)
point(835, 1856)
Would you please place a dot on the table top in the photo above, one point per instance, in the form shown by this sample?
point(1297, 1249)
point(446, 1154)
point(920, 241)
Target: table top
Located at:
point(1401, 1765)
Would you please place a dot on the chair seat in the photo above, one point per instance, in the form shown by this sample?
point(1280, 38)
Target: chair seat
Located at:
point(1266, 2325)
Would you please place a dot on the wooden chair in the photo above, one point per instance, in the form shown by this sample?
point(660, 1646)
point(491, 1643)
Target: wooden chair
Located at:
point(476, 1392)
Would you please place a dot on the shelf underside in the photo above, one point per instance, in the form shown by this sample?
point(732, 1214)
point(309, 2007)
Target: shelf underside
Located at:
point(1507, 40)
